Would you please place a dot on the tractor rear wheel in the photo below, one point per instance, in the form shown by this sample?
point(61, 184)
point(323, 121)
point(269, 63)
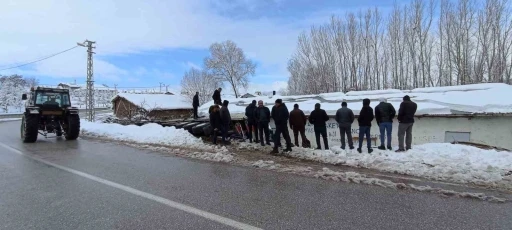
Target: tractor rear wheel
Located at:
point(29, 128)
point(73, 127)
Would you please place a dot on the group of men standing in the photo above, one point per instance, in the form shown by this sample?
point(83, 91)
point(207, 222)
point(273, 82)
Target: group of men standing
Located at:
point(258, 119)
point(384, 115)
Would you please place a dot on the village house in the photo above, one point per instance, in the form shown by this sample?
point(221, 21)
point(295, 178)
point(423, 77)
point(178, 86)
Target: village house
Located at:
point(151, 106)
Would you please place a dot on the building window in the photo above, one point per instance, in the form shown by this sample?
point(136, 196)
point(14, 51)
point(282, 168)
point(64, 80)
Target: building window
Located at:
point(454, 136)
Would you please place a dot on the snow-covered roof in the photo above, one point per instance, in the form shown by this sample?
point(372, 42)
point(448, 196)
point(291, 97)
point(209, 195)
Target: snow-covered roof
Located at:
point(156, 101)
point(465, 99)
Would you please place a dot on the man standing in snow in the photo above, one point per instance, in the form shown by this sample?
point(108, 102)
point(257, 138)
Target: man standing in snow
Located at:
point(406, 121)
point(262, 116)
point(318, 118)
point(345, 118)
point(195, 104)
point(384, 114)
point(365, 124)
point(280, 115)
point(298, 124)
point(249, 113)
point(215, 122)
point(225, 118)
point(216, 96)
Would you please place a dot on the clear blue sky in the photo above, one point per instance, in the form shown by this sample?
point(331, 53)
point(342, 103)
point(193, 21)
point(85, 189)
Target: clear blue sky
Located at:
point(143, 43)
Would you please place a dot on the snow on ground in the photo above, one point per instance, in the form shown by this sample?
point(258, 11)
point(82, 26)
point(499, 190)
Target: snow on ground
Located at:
point(157, 101)
point(374, 92)
point(358, 178)
point(447, 162)
point(475, 98)
point(9, 119)
point(146, 134)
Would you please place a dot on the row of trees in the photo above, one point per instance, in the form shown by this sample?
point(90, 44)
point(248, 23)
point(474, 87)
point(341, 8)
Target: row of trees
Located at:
point(422, 44)
point(226, 63)
point(11, 89)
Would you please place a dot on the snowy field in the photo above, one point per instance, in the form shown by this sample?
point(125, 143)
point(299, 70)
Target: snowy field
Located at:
point(476, 98)
point(446, 162)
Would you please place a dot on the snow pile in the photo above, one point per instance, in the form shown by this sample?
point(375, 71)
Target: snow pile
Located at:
point(265, 164)
point(439, 161)
point(476, 98)
point(157, 101)
point(221, 156)
point(147, 134)
point(374, 92)
point(328, 174)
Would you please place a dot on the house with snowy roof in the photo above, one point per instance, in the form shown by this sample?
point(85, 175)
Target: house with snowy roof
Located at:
point(154, 106)
point(476, 113)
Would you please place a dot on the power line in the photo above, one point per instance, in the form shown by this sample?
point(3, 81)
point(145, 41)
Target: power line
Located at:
point(41, 59)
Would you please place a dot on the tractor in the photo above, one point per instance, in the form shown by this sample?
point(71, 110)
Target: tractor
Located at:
point(49, 110)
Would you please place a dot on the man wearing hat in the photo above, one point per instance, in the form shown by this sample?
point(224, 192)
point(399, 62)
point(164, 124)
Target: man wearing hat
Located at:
point(280, 115)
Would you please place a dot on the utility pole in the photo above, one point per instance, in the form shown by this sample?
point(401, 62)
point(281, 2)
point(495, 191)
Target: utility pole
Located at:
point(89, 95)
point(161, 83)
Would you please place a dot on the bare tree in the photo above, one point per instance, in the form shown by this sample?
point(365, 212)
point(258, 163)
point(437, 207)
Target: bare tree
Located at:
point(468, 42)
point(201, 81)
point(228, 63)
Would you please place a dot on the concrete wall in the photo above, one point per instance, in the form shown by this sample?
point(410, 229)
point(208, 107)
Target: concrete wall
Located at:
point(494, 131)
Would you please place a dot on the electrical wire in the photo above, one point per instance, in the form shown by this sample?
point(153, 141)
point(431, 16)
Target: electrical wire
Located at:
point(41, 59)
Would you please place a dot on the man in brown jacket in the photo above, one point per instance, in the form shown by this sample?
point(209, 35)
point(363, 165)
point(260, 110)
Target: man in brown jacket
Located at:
point(298, 124)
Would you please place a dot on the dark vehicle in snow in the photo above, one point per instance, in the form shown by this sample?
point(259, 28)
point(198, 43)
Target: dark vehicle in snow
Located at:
point(49, 110)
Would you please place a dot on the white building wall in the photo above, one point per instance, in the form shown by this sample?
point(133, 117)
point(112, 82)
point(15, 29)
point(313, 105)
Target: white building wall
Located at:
point(494, 131)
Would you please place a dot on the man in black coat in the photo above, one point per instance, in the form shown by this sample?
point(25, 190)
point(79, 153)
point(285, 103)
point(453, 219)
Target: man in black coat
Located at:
point(225, 118)
point(251, 121)
point(215, 122)
point(406, 121)
point(216, 96)
point(384, 114)
point(365, 124)
point(345, 118)
point(195, 104)
point(281, 115)
point(318, 118)
point(262, 116)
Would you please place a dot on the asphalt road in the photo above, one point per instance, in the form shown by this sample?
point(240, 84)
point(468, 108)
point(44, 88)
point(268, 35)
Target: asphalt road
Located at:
point(84, 184)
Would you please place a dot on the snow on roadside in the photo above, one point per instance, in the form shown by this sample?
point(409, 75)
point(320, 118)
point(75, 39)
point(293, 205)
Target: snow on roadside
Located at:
point(438, 161)
point(146, 134)
point(354, 177)
point(9, 119)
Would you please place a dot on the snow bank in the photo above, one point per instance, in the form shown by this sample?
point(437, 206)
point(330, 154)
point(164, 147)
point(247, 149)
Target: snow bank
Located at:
point(147, 134)
point(470, 87)
point(9, 119)
point(157, 101)
point(374, 92)
point(447, 162)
